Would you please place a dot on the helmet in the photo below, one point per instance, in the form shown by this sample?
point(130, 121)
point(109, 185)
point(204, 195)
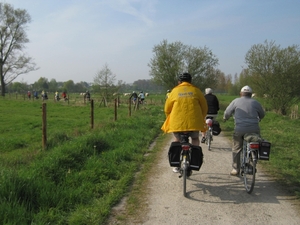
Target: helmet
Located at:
point(209, 122)
point(185, 77)
point(208, 91)
point(246, 89)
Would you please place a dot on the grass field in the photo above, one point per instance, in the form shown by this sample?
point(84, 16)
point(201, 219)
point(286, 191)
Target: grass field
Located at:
point(84, 172)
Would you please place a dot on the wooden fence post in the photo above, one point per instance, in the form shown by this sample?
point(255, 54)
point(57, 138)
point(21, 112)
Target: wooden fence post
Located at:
point(116, 106)
point(92, 113)
point(129, 107)
point(44, 126)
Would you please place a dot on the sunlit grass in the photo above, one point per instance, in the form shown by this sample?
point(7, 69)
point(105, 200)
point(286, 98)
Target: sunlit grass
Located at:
point(83, 172)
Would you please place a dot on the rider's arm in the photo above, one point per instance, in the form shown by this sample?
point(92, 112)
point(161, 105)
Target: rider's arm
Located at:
point(229, 111)
point(260, 111)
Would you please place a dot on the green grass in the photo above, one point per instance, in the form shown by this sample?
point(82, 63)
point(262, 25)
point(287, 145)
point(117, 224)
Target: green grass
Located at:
point(83, 172)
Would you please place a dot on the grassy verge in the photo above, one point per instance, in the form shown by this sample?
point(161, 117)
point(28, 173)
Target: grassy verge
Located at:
point(82, 174)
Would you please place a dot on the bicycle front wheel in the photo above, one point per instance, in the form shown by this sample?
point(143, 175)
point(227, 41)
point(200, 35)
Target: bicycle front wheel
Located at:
point(249, 174)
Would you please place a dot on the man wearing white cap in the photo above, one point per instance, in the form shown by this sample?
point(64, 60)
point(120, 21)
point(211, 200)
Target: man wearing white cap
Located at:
point(247, 112)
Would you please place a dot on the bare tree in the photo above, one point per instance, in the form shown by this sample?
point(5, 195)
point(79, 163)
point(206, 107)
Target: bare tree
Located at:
point(13, 62)
point(104, 83)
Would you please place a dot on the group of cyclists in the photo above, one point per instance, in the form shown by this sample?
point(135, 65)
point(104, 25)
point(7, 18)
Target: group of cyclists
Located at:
point(44, 95)
point(186, 109)
point(137, 98)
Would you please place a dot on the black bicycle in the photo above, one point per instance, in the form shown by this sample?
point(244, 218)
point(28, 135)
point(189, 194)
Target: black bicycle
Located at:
point(185, 157)
point(185, 170)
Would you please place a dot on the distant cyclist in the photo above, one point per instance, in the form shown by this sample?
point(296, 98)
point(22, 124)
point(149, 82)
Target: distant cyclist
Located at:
point(185, 109)
point(134, 97)
point(213, 107)
point(246, 112)
point(141, 97)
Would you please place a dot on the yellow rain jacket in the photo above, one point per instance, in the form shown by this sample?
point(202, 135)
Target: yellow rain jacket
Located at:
point(185, 109)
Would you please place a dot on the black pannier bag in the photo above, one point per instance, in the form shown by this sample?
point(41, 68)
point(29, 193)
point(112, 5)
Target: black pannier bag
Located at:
point(174, 154)
point(264, 150)
point(216, 128)
point(196, 158)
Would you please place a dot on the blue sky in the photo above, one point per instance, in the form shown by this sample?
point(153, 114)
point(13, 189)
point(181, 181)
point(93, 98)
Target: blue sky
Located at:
point(74, 39)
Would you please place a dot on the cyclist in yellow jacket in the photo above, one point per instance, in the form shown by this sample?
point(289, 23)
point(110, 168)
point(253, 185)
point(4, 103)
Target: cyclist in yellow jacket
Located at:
point(185, 109)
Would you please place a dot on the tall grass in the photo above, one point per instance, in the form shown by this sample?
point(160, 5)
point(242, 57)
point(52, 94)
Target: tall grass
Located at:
point(83, 173)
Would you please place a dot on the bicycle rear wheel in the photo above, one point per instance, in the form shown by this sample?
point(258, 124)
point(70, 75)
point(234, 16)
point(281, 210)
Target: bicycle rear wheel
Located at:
point(184, 173)
point(208, 139)
point(249, 173)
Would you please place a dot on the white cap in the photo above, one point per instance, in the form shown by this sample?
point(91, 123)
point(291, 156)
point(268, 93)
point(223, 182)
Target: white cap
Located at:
point(208, 91)
point(246, 89)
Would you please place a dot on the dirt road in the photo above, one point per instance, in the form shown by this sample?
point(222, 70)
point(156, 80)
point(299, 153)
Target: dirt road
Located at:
point(215, 197)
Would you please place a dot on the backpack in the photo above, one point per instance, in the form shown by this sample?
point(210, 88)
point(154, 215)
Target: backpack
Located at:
point(216, 128)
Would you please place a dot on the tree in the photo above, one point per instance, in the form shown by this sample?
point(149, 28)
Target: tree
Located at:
point(81, 87)
point(69, 86)
point(275, 72)
point(13, 62)
point(18, 87)
point(53, 86)
point(41, 84)
point(170, 60)
point(104, 83)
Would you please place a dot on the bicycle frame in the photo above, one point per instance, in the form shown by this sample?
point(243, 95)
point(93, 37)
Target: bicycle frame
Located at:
point(185, 159)
point(248, 161)
point(209, 134)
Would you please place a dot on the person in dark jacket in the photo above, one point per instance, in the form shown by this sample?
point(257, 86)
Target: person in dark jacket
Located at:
point(134, 97)
point(213, 107)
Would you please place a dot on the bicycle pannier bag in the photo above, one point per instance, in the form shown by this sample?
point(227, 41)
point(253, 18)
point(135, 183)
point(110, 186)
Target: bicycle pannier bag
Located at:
point(264, 150)
point(174, 154)
point(216, 128)
point(196, 158)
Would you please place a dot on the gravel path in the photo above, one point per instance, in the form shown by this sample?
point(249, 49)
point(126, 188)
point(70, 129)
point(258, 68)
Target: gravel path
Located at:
point(215, 197)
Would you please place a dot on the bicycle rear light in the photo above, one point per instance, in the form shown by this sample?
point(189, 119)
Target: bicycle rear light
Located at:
point(254, 145)
point(185, 147)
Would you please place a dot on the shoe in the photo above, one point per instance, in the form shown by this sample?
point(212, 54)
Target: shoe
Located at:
point(203, 140)
point(176, 170)
point(234, 172)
